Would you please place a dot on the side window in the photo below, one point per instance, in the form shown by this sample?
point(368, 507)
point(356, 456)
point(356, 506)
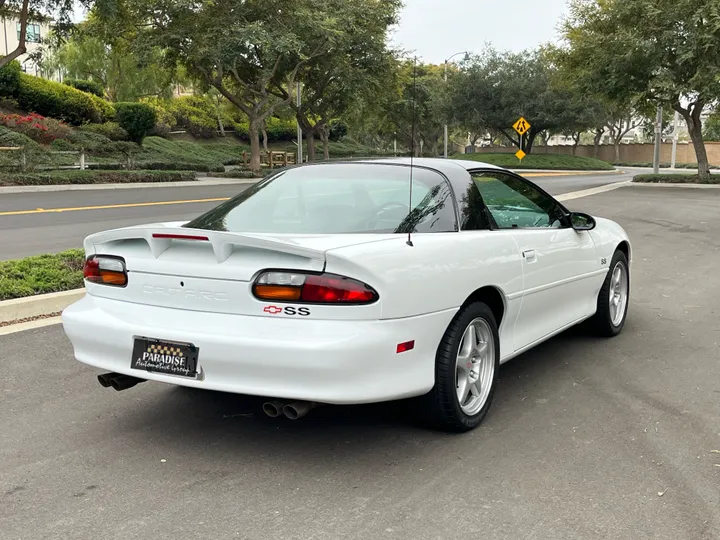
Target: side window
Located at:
point(514, 203)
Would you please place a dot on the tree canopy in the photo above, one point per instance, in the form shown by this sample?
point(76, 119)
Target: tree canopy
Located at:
point(649, 51)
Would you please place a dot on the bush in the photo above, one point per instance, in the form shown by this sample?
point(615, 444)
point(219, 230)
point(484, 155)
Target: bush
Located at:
point(41, 274)
point(91, 87)
point(10, 79)
point(92, 142)
point(59, 101)
point(107, 109)
point(338, 130)
point(165, 121)
point(92, 177)
point(237, 173)
point(277, 129)
point(135, 118)
point(9, 137)
point(111, 130)
point(38, 128)
point(194, 114)
point(675, 179)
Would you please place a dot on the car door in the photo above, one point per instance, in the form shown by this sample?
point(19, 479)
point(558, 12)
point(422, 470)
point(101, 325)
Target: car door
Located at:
point(560, 265)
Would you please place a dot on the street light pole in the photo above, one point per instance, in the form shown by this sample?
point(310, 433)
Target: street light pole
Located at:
point(658, 140)
point(445, 127)
point(299, 128)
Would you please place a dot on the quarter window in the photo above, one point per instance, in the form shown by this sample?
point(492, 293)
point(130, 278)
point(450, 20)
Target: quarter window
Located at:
point(514, 203)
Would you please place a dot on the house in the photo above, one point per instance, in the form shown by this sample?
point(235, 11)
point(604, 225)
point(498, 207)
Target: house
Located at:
point(36, 32)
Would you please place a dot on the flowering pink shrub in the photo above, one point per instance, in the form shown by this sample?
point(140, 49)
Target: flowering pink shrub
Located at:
point(37, 127)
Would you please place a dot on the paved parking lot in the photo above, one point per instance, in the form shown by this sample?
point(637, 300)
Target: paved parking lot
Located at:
point(587, 438)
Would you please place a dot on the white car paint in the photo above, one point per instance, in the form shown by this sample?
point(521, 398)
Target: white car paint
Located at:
point(200, 292)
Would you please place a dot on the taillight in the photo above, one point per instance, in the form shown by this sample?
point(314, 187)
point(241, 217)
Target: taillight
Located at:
point(312, 288)
point(105, 270)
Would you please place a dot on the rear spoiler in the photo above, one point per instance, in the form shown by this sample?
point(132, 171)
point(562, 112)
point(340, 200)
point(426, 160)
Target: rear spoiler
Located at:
point(160, 237)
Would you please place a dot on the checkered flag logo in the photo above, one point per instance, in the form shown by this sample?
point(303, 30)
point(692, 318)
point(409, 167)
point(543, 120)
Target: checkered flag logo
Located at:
point(164, 349)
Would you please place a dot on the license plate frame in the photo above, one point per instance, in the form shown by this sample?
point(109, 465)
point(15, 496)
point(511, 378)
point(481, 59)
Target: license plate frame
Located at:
point(166, 357)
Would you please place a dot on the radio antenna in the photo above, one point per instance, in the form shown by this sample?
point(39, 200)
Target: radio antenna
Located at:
point(412, 151)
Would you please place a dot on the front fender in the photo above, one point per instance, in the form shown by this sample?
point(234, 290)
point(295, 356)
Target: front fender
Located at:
point(608, 235)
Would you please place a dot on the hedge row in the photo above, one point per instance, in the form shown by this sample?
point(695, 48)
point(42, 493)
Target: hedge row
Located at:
point(92, 177)
point(41, 274)
point(675, 179)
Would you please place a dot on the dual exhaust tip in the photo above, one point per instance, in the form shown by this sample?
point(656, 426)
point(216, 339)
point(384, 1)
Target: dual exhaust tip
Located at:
point(292, 410)
point(118, 381)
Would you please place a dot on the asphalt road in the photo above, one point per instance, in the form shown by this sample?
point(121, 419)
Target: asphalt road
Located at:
point(583, 437)
point(43, 231)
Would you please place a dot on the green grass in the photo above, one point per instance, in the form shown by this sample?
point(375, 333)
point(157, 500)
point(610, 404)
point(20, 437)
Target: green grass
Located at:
point(675, 179)
point(41, 274)
point(92, 177)
point(560, 162)
point(663, 165)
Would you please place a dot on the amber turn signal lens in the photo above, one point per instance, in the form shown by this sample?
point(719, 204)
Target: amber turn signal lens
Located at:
point(105, 271)
point(277, 292)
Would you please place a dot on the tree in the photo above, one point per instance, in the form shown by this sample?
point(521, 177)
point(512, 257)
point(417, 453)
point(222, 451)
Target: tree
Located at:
point(494, 89)
point(712, 128)
point(672, 57)
point(359, 65)
point(251, 51)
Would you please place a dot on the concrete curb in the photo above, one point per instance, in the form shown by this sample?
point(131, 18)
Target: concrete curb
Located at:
point(675, 185)
point(34, 306)
point(209, 181)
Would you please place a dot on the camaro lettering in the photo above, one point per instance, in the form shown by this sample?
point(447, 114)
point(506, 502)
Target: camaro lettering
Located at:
point(185, 293)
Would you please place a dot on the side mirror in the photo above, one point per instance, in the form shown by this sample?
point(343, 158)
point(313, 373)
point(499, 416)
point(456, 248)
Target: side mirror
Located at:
point(582, 222)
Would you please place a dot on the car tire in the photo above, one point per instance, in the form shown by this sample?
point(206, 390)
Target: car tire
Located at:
point(613, 296)
point(443, 405)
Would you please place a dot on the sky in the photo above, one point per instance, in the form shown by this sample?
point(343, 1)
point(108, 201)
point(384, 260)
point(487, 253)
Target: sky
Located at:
point(436, 29)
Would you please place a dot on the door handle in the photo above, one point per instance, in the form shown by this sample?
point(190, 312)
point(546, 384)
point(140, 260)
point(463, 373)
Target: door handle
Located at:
point(529, 255)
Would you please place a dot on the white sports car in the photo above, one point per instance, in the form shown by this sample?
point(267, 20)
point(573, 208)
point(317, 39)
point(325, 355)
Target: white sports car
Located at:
point(351, 282)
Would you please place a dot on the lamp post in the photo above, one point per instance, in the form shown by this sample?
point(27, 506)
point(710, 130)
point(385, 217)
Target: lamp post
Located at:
point(446, 127)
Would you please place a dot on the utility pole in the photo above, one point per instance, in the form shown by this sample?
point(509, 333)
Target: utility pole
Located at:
point(299, 128)
point(445, 127)
point(675, 139)
point(658, 140)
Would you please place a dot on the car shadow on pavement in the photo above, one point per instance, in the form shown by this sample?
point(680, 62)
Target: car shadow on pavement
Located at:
point(214, 424)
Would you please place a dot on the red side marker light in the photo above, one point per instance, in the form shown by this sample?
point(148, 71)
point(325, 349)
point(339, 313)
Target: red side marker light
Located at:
point(180, 237)
point(404, 347)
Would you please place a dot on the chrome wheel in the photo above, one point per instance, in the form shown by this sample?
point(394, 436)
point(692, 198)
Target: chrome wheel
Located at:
point(475, 366)
point(618, 293)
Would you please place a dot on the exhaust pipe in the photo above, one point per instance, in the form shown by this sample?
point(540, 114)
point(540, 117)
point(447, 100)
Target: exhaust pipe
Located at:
point(105, 379)
point(123, 382)
point(273, 408)
point(298, 409)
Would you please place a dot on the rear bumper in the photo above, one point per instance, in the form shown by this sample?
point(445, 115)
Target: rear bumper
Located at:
point(340, 362)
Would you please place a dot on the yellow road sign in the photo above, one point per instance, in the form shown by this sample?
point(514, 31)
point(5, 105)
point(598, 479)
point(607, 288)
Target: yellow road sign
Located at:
point(521, 126)
point(520, 154)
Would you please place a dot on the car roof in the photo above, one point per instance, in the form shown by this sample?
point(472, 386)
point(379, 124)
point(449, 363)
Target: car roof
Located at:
point(441, 164)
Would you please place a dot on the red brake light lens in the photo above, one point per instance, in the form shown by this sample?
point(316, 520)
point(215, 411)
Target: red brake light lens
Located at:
point(327, 289)
point(312, 288)
point(105, 271)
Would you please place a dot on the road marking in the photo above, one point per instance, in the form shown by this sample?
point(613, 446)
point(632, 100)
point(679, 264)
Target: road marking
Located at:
point(592, 191)
point(109, 206)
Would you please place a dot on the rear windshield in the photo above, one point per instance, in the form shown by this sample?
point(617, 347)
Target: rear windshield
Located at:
point(339, 198)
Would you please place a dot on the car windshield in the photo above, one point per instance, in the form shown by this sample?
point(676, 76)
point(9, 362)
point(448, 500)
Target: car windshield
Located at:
point(339, 198)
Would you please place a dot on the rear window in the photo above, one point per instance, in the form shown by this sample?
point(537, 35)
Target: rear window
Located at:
point(339, 198)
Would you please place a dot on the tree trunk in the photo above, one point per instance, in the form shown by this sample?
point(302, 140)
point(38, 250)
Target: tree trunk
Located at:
point(325, 137)
point(253, 131)
point(576, 142)
point(220, 123)
point(529, 140)
point(596, 142)
point(310, 138)
point(616, 145)
point(695, 131)
point(264, 137)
